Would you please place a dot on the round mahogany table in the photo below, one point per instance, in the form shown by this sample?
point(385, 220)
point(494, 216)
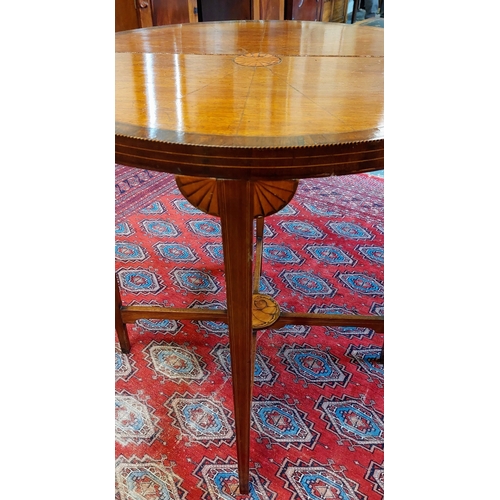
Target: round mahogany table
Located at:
point(240, 111)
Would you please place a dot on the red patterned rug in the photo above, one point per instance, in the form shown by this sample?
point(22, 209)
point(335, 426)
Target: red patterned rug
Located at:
point(317, 416)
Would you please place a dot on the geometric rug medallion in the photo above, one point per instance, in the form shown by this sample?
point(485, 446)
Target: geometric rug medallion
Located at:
point(317, 416)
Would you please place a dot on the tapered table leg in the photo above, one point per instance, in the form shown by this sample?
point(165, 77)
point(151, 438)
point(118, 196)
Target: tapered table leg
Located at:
point(236, 212)
point(120, 326)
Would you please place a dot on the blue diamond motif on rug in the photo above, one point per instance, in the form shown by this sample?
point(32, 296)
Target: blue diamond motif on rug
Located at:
point(205, 421)
point(319, 483)
point(159, 228)
point(139, 280)
point(307, 283)
point(139, 481)
point(318, 487)
point(178, 364)
point(281, 253)
point(214, 250)
point(123, 229)
point(283, 424)
point(176, 252)
point(205, 227)
point(361, 283)
point(146, 479)
point(125, 367)
point(267, 287)
point(186, 207)
point(377, 309)
point(201, 418)
point(129, 251)
point(329, 254)
point(155, 208)
point(350, 230)
point(134, 420)
point(367, 359)
point(221, 480)
point(313, 365)
point(195, 281)
point(375, 254)
point(353, 421)
point(303, 229)
point(375, 475)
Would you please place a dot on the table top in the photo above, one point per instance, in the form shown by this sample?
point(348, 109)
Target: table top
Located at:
point(251, 99)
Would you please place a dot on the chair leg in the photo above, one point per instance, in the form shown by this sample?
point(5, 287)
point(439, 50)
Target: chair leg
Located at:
point(120, 326)
point(259, 221)
point(355, 9)
point(381, 357)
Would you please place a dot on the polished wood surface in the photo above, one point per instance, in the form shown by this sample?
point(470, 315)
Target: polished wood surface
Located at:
point(183, 105)
point(232, 108)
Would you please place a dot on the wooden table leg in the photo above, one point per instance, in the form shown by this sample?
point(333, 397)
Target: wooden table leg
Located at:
point(120, 326)
point(235, 200)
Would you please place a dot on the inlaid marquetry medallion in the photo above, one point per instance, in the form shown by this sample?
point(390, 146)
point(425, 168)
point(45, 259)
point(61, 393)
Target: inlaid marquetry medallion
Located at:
point(256, 59)
point(269, 196)
point(265, 311)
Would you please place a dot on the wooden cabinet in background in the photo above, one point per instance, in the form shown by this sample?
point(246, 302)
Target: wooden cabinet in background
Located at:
point(225, 10)
point(133, 14)
point(174, 11)
point(269, 9)
point(303, 10)
point(316, 10)
point(335, 11)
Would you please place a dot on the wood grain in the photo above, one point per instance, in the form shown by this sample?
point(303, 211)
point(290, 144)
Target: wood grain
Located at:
point(170, 11)
point(269, 197)
point(120, 326)
point(236, 204)
point(184, 106)
point(126, 15)
point(270, 9)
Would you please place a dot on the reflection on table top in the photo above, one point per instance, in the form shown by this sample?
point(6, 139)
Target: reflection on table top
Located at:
point(252, 84)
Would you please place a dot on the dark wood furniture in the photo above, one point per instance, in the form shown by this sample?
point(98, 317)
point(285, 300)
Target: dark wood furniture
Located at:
point(316, 10)
point(239, 104)
point(225, 10)
point(336, 12)
point(134, 14)
point(304, 10)
point(174, 11)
